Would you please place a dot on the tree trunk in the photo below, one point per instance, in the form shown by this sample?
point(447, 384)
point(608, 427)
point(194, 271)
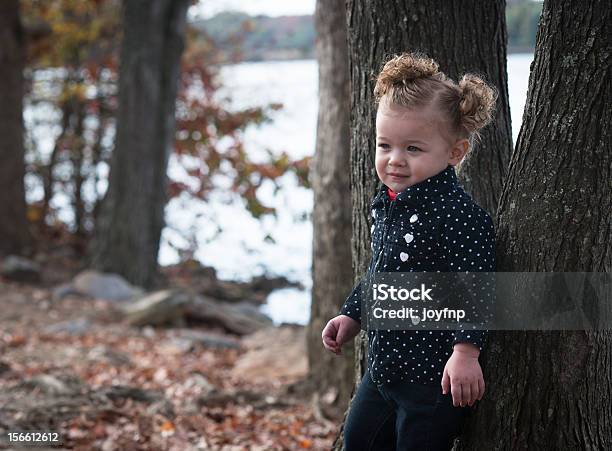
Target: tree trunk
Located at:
point(331, 268)
point(14, 228)
point(48, 171)
point(78, 178)
point(461, 37)
point(554, 215)
point(130, 224)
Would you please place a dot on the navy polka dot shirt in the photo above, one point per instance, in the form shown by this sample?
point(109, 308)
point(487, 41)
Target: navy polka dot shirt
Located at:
point(432, 226)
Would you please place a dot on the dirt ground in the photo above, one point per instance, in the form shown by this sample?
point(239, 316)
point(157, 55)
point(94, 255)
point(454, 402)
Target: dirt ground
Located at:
point(104, 385)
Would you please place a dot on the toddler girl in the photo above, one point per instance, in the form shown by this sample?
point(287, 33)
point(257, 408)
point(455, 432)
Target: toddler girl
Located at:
point(419, 385)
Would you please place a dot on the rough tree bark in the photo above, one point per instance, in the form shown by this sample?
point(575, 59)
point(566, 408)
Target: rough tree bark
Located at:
point(132, 217)
point(14, 229)
point(331, 258)
point(553, 390)
point(461, 37)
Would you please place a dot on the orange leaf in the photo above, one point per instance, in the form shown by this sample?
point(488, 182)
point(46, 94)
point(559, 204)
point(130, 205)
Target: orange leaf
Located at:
point(167, 426)
point(16, 340)
point(305, 443)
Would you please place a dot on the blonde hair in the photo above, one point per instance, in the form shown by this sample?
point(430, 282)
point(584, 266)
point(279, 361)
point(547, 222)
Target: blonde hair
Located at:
point(413, 80)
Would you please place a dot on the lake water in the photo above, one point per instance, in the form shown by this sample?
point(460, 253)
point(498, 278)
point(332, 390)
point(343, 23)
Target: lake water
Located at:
point(240, 250)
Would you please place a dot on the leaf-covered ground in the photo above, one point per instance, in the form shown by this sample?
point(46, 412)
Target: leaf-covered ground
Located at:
point(104, 385)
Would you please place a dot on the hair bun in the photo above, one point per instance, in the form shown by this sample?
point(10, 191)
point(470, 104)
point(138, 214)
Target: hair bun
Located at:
point(413, 80)
point(402, 69)
point(477, 102)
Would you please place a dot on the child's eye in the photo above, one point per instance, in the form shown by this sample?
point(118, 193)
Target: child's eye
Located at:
point(413, 149)
point(383, 146)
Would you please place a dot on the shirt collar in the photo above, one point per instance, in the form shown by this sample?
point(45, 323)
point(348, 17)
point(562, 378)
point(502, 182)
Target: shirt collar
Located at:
point(424, 191)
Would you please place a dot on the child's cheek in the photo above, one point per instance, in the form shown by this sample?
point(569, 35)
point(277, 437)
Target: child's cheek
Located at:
point(380, 165)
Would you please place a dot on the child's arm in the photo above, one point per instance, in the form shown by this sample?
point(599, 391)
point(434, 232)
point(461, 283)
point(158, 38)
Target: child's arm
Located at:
point(470, 247)
point(352, 305)
point(468, 241)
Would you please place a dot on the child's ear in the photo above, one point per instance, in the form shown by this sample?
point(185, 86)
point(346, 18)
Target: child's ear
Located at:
point(458, 151)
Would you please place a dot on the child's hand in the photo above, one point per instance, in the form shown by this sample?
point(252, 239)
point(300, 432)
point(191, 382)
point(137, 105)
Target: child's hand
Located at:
point(463, 375)
point(338, 331)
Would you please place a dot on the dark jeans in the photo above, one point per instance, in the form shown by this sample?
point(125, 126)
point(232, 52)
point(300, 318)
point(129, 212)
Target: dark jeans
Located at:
point(403, 416)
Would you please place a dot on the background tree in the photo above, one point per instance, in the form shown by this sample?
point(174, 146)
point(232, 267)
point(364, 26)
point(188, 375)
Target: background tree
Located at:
point(132, 217)
point(71, 68)
point(554, 215)
point(71, 107)
point(13, 222)
point(466, 37)
point(331, 271)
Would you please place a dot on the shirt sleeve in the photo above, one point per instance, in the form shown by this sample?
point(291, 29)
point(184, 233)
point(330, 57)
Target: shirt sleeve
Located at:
point(352, 305)
point(468, 243)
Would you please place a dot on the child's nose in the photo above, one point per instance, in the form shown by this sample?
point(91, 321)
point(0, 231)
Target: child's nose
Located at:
point(396, 158)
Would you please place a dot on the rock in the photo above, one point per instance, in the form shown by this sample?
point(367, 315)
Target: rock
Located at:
point(250, 310)
point(265, 284)
point(164, 408)
point(117, 392)
point(62, 291)
point(77, 326)
point(221, 398)
point(176, 346)
point(211, 312)
point(204, 281)
point(274, 353)
point(209, 340)
point(198, 380)
point(158, 308)
point(187, 340)
point(256, 291)
point(103, 353)
point(148, 332)
point(104, 286)
point(52, 385)
point(20, 269)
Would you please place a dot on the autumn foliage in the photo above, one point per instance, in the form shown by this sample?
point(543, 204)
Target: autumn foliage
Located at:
point(71, 100)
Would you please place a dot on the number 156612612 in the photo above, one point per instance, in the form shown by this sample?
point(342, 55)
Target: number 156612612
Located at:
point(32, 438)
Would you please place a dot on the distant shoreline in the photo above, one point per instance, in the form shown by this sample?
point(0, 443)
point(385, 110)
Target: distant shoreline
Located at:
point(283, 38)
point(275, 57)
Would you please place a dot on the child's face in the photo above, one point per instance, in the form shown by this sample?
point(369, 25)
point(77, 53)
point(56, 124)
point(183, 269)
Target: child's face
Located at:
point(410, 147)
